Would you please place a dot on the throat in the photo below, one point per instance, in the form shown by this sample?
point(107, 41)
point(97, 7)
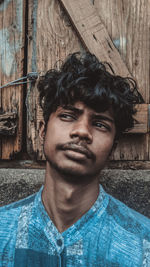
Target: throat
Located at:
point(66, 204)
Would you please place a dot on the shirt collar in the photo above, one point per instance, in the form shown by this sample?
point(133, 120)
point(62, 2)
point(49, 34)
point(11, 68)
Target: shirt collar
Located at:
point(77, 230)
point(84, 224)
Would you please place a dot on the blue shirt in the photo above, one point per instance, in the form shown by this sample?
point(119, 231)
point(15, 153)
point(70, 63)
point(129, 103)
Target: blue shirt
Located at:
point(109, 234)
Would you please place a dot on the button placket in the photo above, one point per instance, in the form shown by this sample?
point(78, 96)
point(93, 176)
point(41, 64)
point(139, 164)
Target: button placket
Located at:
point(59, 245)
point(59, 242)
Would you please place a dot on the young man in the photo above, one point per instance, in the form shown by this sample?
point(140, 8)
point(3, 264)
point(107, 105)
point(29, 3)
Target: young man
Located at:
point(72, 221)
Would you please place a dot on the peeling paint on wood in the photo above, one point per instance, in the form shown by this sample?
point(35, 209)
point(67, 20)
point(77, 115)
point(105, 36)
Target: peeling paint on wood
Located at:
point(120, 43)
point(4, 4)
point(19, 15)
point(34, 30)
point(12, 17)
point(8, 60)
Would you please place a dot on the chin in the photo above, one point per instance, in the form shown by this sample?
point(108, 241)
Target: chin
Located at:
point(70, 171)
point(74, 174)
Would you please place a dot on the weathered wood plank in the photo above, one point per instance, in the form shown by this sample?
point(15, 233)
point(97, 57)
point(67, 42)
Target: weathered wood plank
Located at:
point(89, 27)
point(131, 147)
point(128, 23)
point(7, 128)
point(12, 15)
point(8, 123)
point(8, 116)
point(94, 34)
point(141, 117)
point(50, 39)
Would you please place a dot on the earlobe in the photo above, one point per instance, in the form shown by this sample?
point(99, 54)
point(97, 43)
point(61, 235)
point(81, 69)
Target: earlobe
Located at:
point(42, 131)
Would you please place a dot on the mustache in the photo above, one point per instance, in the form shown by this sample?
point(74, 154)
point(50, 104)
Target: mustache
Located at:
point(79, 146)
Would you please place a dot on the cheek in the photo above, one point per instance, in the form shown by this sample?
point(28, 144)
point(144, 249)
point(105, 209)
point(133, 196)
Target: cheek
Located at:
point(48, 147)
point(103, 146)
point(49, 142)
point(54, 136)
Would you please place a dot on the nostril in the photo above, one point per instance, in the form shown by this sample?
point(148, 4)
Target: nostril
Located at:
point(74, 136)
point(84, 137)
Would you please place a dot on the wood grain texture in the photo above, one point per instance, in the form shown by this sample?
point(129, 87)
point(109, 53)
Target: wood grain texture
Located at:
point(51, 38)
point(94, 34)
point(141, 120)
point(131, 147)
point(128, 24)
point(8, 124)
point(11, 67)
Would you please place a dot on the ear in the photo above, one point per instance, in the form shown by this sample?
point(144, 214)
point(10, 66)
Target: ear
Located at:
point(42, 131)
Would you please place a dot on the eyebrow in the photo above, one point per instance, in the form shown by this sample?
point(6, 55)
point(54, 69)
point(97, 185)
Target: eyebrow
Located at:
point(102, 117)
point(94, 116)
point(72, 108)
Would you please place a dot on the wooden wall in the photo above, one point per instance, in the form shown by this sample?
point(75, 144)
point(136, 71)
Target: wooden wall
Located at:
point(54, 31)
point(12, 34)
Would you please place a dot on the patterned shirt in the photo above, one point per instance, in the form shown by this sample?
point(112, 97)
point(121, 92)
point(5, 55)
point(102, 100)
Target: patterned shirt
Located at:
point(109, 234)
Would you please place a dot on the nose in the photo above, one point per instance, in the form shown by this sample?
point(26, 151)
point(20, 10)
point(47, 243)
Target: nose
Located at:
point(81, 129)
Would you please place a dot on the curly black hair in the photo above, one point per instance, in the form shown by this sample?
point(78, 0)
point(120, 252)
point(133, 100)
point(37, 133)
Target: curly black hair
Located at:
point(82, 77)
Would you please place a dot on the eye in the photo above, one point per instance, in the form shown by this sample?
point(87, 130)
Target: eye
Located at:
point(67, 116)
point(102, 126)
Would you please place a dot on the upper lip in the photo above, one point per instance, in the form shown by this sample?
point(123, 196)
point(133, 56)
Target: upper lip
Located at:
point(78, 148)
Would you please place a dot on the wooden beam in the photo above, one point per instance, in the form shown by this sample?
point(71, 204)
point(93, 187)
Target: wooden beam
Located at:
point(93, 33)
point(141, 126)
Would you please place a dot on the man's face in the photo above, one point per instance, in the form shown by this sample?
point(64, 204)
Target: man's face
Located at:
point(78, 140)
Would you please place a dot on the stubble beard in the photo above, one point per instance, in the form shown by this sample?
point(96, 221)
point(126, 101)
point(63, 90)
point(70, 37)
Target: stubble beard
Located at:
point(72, 175)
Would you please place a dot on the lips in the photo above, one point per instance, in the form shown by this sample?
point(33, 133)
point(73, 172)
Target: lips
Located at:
point(79, 149)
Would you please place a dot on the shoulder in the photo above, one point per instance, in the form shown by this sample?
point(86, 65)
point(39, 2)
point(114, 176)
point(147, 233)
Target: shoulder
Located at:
point(9, 214)
point(129, 233)
point(129, 219)
point(10, 219)
point(18, 204)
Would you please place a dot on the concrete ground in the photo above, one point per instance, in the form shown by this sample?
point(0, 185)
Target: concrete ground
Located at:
point(130, 186)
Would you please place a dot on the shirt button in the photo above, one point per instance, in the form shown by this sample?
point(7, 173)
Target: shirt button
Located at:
point(59, 242)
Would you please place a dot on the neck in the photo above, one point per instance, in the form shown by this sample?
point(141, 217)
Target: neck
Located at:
point(66, 202)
